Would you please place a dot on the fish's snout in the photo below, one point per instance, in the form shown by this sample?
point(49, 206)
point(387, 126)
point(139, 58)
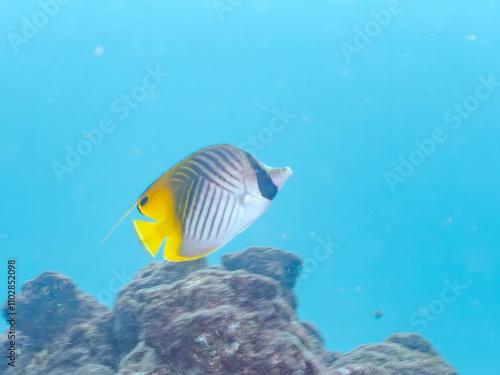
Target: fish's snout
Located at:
point(280, 175)
point(287, 171)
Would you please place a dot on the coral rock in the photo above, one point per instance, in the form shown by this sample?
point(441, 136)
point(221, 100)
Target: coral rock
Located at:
point(268, 261)
point(48, 305)
point(398, 354)
point(132, 297)
point(190, 319)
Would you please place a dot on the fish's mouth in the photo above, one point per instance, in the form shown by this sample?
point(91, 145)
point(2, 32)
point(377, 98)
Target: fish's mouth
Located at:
point(287, 172)
point(280, 175)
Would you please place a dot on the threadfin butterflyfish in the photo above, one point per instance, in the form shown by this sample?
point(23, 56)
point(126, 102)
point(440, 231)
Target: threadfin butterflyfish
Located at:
point(205, 200)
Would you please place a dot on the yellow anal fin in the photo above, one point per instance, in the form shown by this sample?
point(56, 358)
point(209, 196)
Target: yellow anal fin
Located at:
point(172, 246)
point(151, 235)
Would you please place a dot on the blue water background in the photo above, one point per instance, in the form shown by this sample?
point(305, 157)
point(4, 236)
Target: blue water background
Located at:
point(397, 248)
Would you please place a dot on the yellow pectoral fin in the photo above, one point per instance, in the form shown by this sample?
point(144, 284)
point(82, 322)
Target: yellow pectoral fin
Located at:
point(151, 235)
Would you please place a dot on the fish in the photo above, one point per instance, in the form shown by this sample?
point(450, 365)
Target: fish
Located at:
point(204, 201)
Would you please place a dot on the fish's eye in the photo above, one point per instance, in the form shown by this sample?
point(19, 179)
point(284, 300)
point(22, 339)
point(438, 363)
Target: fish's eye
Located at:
point(144, 201)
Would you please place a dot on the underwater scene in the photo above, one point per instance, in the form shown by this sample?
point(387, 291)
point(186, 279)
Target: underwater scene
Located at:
point(227, 187)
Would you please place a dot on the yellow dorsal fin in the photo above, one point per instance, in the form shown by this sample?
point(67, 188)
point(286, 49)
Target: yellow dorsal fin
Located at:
point(116, 225)
point(152, 189)
point(157, 204)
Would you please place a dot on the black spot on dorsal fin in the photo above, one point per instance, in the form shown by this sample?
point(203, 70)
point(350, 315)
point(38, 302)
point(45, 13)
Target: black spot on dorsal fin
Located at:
point(142, 203)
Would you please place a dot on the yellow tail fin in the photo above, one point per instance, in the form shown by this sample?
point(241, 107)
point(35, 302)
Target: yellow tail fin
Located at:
point(151, 235)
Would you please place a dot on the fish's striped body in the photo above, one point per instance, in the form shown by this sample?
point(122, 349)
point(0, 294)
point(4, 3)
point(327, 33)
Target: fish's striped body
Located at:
point(212, 178)
point(205, 200)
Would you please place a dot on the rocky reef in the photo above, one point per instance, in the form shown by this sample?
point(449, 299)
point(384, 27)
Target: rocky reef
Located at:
point(189, 319)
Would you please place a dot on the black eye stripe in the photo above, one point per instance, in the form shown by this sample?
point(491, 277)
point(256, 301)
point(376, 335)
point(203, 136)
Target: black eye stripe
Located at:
point(267, 187)
point(144, 201)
